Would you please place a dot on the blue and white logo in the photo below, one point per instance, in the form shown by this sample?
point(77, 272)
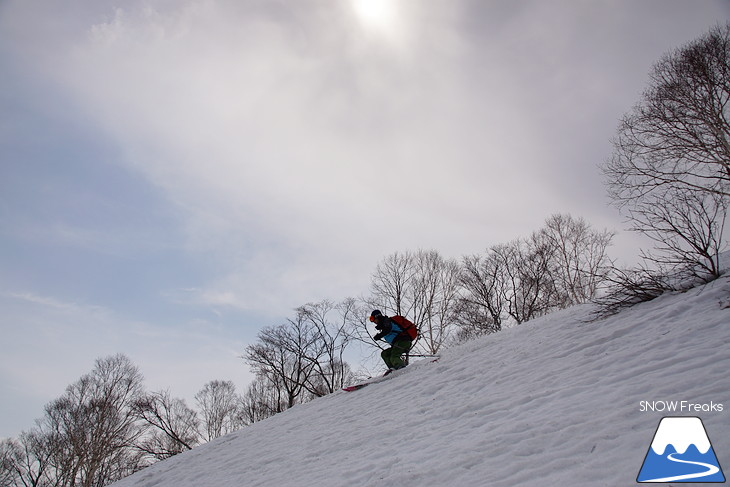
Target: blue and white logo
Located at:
point(681, 452)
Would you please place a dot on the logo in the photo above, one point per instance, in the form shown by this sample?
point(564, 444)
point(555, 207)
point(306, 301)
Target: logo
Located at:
point(681, 452)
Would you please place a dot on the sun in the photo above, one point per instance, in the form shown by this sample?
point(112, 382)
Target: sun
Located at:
point(377, 14)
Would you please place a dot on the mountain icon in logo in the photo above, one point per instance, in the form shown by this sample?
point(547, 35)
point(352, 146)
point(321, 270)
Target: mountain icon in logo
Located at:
point(681, 452)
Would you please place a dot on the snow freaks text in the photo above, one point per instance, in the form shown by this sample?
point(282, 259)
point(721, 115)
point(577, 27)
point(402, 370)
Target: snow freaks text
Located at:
point(680, 407)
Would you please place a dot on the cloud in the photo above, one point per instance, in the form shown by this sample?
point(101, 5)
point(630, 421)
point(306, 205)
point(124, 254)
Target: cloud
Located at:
point(301, 145)
point(272, 135)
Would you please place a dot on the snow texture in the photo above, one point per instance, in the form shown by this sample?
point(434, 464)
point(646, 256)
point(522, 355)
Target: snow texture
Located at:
point(555, 401)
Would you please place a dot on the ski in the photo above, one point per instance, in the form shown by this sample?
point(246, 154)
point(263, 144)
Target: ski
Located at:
point(373, 380)
point(367, 383)
point(355, 387)
point(376, 380)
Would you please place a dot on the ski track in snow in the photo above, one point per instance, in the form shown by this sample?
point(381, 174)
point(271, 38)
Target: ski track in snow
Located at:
point(551, 402)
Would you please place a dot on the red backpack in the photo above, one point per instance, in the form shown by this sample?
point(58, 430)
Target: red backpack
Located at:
point(408, 327)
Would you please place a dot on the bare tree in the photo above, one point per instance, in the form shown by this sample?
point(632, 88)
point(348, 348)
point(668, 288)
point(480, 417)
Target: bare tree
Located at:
point(484, 281)
point(10, 457)
point(219, 405)
point(37, 453)
point(173, 426)
point(527, 277)
point(678, 135)
point(562, 264)
point(261, 400)
point(92, 427)
point(579, 257)
point(670, 170)
point(283, 355)
point(25, 462)
point(629, 287)
point(391, 283)
point(422, 286)
point(687, 227)
point(435, 296)
point(301, 359)
point(331, 323)
point(535, 291)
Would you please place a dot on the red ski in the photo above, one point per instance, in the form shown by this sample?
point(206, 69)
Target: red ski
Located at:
point(378, 379)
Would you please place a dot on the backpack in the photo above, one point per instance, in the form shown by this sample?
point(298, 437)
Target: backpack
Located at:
point(408, 327)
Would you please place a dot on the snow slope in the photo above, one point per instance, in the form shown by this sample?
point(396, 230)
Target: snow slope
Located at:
point(553, 402)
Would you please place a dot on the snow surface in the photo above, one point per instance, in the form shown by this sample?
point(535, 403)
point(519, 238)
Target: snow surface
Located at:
point(552, 402)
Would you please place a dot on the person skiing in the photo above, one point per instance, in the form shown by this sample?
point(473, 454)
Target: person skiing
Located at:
point(399, 339)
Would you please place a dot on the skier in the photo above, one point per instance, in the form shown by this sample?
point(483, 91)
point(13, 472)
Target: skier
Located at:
point(400, 340)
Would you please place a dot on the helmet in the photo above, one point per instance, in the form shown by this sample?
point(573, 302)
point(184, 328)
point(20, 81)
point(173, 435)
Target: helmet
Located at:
point(375, 315)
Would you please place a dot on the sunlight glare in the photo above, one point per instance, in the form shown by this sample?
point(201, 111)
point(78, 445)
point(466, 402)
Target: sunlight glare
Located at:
point(376, 13)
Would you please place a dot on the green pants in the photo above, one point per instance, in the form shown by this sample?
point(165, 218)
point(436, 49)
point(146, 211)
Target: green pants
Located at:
point(392, 356)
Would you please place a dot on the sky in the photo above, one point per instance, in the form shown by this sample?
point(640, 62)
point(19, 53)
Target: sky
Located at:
point(176, 175)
